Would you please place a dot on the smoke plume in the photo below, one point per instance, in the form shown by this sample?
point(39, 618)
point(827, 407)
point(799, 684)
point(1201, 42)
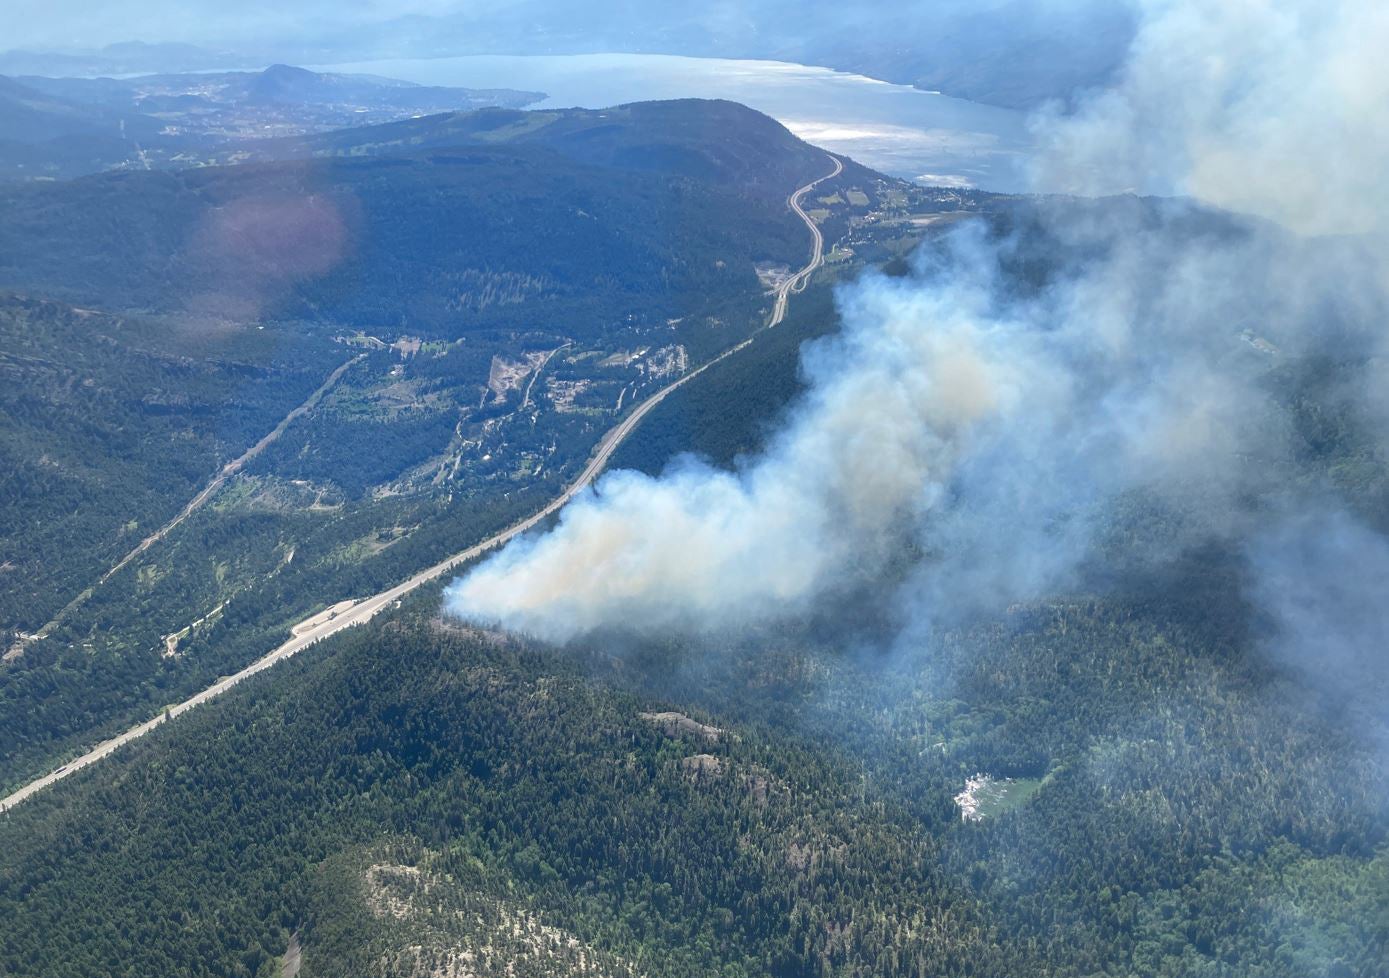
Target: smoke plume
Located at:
point(1267, 107)
point(867, 453)
point(1320, 577)
point(1044, 373)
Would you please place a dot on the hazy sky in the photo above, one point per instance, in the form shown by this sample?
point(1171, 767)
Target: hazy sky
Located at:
point(64, 24)
point(79, 24)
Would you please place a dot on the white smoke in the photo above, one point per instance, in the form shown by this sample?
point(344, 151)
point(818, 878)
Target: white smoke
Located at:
point(890, 407)
point(1267, 107)
point(999, 428)
point(1317, 577)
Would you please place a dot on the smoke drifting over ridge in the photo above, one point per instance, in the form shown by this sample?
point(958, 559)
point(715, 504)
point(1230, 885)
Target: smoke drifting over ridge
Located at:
point(1267, 107)
point(998, 424)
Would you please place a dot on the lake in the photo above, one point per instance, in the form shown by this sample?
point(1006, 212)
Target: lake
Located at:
point(922, 136)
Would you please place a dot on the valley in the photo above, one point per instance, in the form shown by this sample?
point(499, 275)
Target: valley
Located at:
point(294, 525)
point(574, 513)
point(352, 612)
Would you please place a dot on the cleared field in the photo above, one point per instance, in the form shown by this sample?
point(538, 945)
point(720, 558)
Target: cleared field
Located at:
point(987, 797)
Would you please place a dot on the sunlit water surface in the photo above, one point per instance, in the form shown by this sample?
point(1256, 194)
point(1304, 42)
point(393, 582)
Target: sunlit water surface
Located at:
point(899, 130)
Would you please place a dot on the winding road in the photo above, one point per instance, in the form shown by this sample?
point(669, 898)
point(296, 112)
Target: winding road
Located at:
point(324, 624)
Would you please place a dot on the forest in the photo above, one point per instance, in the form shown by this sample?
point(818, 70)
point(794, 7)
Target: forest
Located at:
point(1115, 779)
point(502, 359)
point(377, 241)
point(422, 796)
point(110, 424)
point(409, 792)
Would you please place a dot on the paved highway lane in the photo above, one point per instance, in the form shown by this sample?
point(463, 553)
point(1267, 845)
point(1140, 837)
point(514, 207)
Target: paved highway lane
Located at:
point(321, 626)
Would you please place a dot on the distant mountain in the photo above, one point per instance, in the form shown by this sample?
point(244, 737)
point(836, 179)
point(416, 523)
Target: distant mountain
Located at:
point(1013, 53)
point(597, 205)
point(125, 58)
point(28, 115)
point(282, 86)
point(71, 126)
point(286, 83)
point(46, 136)
point(710, 140)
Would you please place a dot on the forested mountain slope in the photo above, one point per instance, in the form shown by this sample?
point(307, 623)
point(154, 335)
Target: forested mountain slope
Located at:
point(449, 241)
point(706, 139)
point(418, 796)
point(1146, 792)
point(424, 347)
point(108, 420)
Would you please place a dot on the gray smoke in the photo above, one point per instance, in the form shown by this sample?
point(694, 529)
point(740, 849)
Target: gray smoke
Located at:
point(1320, 577)
point(1003, 429)
point(1270, 108)
point(867, 453)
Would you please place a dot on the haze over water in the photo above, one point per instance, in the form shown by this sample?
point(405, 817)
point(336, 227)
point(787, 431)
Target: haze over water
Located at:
point(899, 130)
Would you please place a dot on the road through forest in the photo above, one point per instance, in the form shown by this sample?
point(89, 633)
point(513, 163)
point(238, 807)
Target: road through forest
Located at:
point(359, 612)
point(207, 492)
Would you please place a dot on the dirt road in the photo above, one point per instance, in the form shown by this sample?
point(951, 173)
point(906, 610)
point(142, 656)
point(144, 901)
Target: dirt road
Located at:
point(235, 466)
point(207, 492)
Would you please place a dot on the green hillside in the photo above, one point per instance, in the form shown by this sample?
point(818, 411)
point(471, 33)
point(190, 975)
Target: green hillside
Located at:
point(445, 242)
point(1152, 793)
point(706, 139)
point(472, 321)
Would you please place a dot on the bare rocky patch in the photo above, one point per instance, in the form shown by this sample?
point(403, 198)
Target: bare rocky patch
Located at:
point(678, 725)
point(452, 931)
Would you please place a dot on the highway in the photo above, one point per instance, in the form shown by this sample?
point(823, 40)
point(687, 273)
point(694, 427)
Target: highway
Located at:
point(323, 625)
point(799, 281)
